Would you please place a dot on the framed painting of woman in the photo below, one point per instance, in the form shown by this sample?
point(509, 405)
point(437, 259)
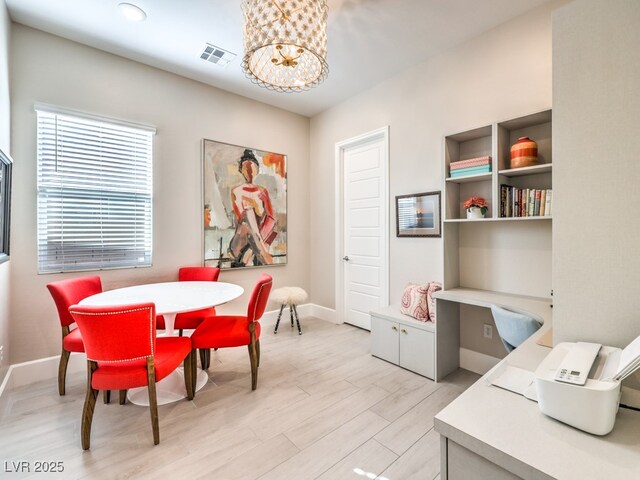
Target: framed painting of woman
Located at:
point(244, 206)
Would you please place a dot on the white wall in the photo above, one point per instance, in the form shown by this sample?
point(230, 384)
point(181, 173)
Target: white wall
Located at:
point(502, 74)
point(5, 32)
point(52, 70)
point(596, 94)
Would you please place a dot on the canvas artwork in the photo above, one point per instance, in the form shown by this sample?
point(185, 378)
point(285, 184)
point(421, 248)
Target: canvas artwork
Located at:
point(245, 206)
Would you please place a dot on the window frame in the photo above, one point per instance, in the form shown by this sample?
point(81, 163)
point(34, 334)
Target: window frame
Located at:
point(6, 165)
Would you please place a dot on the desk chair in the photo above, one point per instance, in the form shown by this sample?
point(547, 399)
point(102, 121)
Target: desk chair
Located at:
point(513, 328)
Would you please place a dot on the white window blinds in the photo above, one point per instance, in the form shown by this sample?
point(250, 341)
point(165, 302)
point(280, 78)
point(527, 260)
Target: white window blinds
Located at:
point(94, 193)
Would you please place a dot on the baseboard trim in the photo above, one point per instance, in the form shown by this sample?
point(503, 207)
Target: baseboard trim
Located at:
point(477, 362)
point(26, 373)
point(306, 310)
point(324, 313)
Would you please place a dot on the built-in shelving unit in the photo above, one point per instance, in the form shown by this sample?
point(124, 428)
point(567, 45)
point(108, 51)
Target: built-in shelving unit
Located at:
point(459, 233)
point(495, 141)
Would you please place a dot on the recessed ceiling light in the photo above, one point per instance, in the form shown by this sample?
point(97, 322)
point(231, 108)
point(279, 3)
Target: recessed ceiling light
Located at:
point(131, 12)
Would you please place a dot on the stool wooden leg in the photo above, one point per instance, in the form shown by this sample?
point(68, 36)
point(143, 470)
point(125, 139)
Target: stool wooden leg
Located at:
point(278, 321)
point(291, 313)
point(295, 310)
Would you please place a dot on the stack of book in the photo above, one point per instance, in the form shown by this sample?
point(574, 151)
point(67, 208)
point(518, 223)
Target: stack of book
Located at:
point(525, 202)
point(472, 166)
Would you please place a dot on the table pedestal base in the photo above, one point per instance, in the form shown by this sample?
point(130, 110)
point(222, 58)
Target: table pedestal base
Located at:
point(169, 389)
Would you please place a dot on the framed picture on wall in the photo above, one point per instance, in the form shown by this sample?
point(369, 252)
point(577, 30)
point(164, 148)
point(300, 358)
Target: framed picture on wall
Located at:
point(245, 206)
point(5, 204)
point(418, 215)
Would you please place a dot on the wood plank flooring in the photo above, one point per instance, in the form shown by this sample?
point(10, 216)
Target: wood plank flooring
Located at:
point(324, 409)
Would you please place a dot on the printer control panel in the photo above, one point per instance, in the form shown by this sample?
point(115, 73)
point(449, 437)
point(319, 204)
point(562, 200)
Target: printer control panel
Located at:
point(576, 365)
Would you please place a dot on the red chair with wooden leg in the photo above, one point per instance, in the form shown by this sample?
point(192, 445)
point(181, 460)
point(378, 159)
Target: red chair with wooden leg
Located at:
point(123, 353)
point(66, 293)
point(225, 331)
point(190, 320)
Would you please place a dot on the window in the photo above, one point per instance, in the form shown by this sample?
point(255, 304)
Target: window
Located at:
point(94, 192)
point(5, 205)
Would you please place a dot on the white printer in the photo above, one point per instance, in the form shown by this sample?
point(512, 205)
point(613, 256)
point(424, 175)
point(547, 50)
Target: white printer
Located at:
point(579, 383)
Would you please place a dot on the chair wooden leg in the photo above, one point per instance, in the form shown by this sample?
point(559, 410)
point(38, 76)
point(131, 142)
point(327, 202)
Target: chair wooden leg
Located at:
point(89, 407)
point(254, 365)
point(106, 396)
point(209, 357)
point(123, 397)
point(180, 333)
point(188, 374)
point(258, 352)
point(153, 401)
point(194, 370)
point(205, 358)
point(62, 371)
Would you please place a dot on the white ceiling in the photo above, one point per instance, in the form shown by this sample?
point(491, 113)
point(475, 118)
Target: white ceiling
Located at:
point(369, 40)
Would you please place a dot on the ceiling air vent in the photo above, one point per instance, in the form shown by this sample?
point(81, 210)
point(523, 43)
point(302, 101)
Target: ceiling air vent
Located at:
point(217, 55)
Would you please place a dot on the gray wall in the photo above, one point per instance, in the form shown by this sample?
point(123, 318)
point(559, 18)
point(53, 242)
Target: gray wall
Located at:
point(52, 70)
point(596, 98)
point(502, 74)
point(5, 132)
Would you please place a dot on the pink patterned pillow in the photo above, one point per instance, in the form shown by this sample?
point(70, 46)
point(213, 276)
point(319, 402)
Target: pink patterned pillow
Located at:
point(414, 301)
point(431, 302)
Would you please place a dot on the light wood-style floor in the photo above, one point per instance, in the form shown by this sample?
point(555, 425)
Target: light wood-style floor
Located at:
point(324, 408)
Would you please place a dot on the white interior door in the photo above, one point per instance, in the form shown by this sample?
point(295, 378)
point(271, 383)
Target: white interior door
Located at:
point(365, 228)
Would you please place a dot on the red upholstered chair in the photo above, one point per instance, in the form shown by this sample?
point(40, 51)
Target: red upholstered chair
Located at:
point(123, 353)
point(66, 293)
point(234, 331)
point(190, 320)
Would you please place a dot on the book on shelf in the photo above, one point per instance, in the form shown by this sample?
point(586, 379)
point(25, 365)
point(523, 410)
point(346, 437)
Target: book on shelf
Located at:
point(524, 202)
point(548, 203)
point(471, 162)
point(463, 172)
point(532, 202)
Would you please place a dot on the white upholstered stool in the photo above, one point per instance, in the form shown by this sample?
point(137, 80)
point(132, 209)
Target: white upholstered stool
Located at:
point(291, 296)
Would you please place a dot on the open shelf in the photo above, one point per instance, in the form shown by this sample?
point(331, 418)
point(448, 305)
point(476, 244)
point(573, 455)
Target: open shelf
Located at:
point(505, 219)
point(518, 172)
point(470, 178)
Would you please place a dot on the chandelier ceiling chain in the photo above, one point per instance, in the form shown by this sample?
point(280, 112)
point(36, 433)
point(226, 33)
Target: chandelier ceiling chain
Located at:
point(285, 43)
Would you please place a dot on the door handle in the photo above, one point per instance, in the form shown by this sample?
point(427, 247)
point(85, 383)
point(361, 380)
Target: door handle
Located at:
point(345, 258)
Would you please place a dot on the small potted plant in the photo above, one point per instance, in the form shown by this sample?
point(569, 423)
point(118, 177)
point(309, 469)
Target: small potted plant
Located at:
point(476, 207)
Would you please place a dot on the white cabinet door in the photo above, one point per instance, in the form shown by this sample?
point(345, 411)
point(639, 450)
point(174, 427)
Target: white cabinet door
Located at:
point(384, 339)
point(416, 350)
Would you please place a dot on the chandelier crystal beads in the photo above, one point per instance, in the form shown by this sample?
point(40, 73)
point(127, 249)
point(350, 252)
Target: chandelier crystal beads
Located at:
point(285, 43)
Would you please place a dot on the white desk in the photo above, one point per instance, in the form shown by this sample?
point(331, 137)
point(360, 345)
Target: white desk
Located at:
point(448, 321)
point(170, 298)
point(496, 434)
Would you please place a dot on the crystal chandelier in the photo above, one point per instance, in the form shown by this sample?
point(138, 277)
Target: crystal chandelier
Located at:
point(285, 43)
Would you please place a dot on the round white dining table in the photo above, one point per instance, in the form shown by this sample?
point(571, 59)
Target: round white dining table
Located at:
point(170, 298)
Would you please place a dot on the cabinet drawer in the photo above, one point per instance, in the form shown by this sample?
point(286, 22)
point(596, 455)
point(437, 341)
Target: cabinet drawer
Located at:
point(417, 350)
point(384, 339)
